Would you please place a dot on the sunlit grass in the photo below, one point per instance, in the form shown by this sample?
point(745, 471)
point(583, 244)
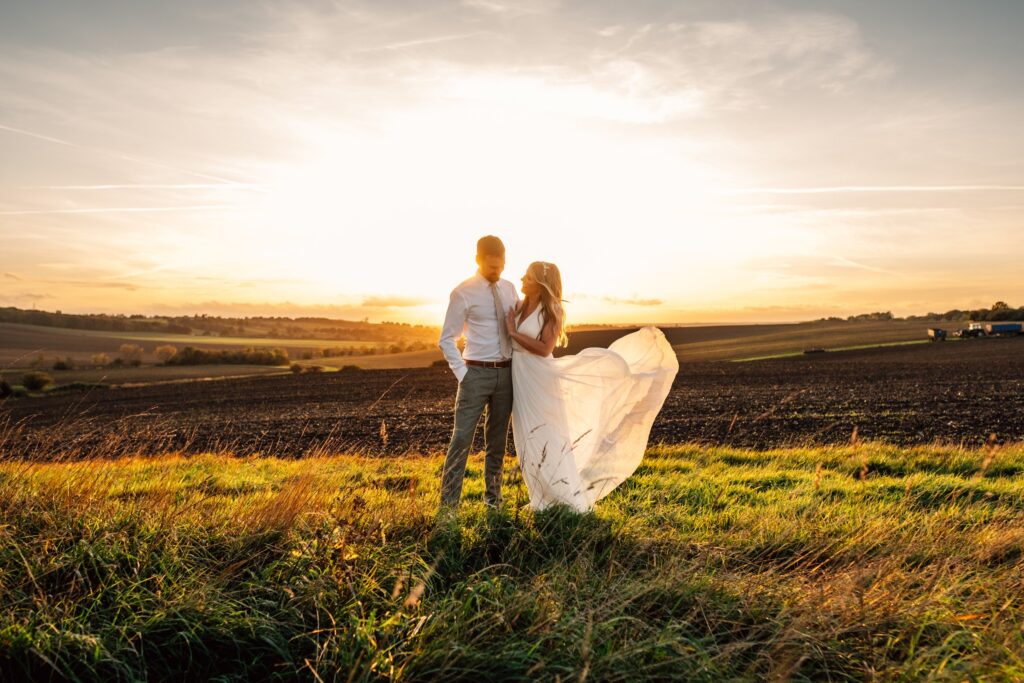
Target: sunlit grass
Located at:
point(708, 564)
point(833, 336)
point(857, 347)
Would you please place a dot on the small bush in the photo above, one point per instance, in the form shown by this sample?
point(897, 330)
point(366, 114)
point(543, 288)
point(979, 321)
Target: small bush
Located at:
point(64, 364)
point(36, 381)
point(165, 353)
point(5, 389)
point(101, 359)
point(131, 354)
point(305, 369)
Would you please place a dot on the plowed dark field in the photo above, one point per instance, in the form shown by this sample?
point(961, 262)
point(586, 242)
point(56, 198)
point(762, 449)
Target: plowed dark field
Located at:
point(951, 392)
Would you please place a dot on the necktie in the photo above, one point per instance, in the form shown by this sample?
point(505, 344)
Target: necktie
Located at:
point(503, 340)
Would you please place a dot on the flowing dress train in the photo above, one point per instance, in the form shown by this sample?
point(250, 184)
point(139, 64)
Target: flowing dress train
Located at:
point(581, 423)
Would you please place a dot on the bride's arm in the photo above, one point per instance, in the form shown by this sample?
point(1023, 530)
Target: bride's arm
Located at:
point(543, 346)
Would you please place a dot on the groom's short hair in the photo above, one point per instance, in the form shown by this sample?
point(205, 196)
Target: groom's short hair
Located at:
point(489, 245)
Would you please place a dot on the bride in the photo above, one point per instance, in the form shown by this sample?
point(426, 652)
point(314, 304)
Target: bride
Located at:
point(580, 423)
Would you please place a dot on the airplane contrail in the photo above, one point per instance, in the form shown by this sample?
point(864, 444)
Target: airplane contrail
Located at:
point(415, 43)
point(843, 261)
point(117, 155)
point(37, 135)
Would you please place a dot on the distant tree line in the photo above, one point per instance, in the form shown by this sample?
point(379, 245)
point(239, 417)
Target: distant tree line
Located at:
point(397, 347)
point(94, 321)
point(207, 325)
point(999, 311)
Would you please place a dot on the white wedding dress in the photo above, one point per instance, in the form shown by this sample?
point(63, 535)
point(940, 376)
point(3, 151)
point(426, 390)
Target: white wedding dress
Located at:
point(581, 423)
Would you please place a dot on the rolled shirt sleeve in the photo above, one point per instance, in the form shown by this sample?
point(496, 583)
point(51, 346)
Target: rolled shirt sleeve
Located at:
point(454, 326)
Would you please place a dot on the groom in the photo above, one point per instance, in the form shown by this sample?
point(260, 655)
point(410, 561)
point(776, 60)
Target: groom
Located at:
point(477, 308)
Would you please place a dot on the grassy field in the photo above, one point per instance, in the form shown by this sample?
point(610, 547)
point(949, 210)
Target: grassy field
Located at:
point(794, 339)
point(149, 374)
point(384, 361)
point(864, 562)
point(20, 344)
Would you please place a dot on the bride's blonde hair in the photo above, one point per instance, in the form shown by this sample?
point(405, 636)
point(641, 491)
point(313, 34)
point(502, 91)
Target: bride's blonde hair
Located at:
point(549, 278)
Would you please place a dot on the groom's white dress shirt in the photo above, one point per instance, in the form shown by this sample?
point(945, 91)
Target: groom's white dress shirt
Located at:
point(471, 311)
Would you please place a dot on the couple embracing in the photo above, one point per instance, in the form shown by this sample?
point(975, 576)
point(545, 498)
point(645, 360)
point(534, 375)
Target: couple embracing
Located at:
point(580, 423)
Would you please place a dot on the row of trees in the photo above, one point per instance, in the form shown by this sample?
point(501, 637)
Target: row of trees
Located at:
point(129, 354)
point(132, 355)
point(364, 350)
point(101, 321)
point(1000, 310)
point(250, 356)
point(207, 325)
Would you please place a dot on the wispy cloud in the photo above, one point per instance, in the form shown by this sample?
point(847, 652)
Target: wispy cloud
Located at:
point(848, 263)
point(117, 155)
point(123, 209)
point(285, 308)
point(37, 136)
point(11, 276)
point(632, 302)
point(97, 284)
point(616, 301)
point(31, 296)
point(151, 186)
point(806, 269)
point(512, 9)
point(418, 43)
point(394, 302)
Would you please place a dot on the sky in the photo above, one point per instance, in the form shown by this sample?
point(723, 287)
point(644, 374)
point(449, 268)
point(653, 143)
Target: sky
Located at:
point(719, 160)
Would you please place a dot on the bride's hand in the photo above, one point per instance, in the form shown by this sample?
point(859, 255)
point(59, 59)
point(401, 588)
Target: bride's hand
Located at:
point(510, 321)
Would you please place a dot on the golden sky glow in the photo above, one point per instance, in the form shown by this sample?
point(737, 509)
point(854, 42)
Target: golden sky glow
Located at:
point(681, 162)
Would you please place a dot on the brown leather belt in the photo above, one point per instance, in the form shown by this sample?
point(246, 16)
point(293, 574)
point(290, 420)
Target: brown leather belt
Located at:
point(490, 363)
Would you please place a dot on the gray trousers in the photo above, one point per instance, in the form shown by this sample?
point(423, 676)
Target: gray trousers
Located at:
point(481, 388)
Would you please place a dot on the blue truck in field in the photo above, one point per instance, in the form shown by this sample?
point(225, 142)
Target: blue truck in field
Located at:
point(1003, 329)
point(975, 330)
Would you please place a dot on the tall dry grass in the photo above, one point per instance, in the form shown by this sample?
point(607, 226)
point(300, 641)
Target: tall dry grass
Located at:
point(856, 563)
